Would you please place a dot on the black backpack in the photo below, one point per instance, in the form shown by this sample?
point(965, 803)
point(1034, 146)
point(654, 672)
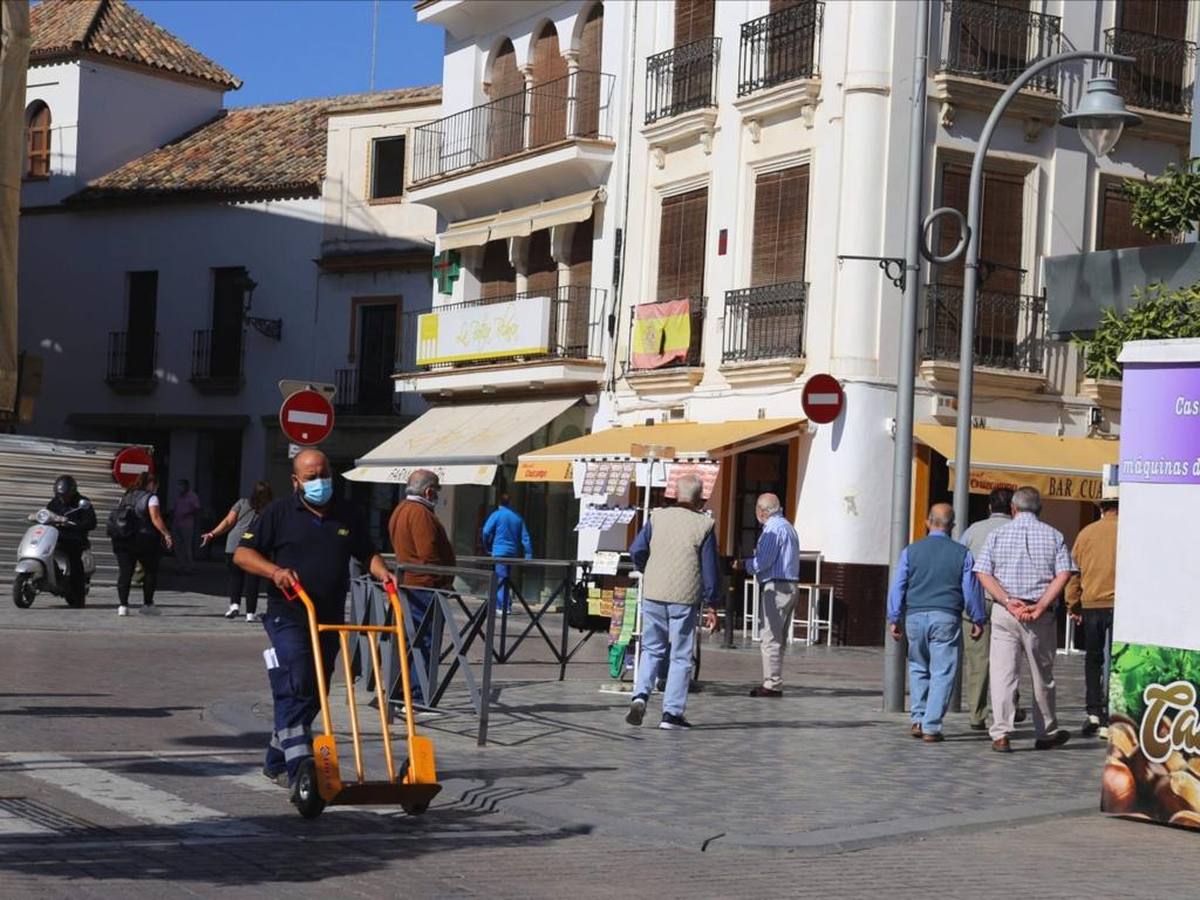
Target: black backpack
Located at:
point(124, 522)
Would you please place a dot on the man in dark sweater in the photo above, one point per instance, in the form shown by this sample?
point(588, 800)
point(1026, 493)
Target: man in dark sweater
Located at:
point(934, 583)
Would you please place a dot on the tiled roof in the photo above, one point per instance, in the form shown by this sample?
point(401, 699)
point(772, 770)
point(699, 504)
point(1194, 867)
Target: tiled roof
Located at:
point(248, 152)
point(64, 28)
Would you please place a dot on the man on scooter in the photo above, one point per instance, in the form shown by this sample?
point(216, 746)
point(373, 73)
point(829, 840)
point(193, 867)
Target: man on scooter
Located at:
point(72, 537)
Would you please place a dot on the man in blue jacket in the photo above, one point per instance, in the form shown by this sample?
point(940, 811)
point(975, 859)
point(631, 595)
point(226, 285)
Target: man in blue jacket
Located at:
point(935, 581)
point(505, 534)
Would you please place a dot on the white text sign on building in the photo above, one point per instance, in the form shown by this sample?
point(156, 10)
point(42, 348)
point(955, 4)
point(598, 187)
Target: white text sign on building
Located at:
point(491, 331)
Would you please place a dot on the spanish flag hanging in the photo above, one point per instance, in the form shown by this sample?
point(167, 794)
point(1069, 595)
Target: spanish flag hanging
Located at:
point(662, 333)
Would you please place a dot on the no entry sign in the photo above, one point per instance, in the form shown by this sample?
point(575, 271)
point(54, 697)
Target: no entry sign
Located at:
point(129, 464)
point(822, 399)
point(306, 417)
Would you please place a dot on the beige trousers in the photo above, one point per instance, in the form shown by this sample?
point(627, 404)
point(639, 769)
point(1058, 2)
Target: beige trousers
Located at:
point(778, 601)
point(1037, 641)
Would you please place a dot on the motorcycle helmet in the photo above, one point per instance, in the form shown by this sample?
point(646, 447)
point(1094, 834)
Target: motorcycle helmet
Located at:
point(65, 487)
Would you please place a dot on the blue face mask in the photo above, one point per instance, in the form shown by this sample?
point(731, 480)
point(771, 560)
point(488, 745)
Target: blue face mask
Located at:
point(318, 491)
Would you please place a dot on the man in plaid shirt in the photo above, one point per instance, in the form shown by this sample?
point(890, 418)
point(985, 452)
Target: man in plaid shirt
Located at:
point(1024, 565)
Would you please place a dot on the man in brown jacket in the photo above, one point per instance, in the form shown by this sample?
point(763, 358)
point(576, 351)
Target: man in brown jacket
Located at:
point(418, 538)
point(1090, 595)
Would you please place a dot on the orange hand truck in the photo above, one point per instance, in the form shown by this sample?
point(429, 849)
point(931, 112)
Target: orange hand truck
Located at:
point(320, 780)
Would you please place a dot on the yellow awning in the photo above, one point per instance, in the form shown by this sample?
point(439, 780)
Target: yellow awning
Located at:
point(521, 222)
point(1061, 468)
point(691, 441)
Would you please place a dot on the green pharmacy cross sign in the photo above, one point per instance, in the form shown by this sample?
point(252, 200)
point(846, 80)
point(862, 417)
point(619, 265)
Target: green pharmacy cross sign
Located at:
point(446, 268)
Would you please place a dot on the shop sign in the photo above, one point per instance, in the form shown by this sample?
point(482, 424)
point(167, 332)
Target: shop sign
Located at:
point(491, 331)
point(1051, 487)
point(545, 470)
point(1160, 434)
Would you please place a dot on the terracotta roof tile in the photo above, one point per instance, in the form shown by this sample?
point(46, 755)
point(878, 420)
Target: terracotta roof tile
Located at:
point(251, 151)
point(63, 28)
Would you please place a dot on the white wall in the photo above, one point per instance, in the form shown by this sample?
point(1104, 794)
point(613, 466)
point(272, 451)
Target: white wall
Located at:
point(58, 87)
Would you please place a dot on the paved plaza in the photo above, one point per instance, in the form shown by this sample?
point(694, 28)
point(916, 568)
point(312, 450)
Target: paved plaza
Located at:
point(129, 766)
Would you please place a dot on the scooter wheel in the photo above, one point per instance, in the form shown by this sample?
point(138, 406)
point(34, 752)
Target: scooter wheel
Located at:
point(23, 590)
point(305, 795)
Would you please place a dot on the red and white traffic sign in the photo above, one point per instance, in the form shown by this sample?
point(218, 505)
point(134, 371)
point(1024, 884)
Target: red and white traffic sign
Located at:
point(306, 417)
point(129, 464)
point(823, 399)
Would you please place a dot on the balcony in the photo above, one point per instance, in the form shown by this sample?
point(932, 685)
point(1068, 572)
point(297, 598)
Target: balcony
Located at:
point(132, 363)
point(1010, 340)
point(359, 393)
point(646, 374)
point(1159, 84)
point(984, 47)
point(513, 343)
point(479, 160)
point(217, 362)
point(681, 95)
point(779, 63)
point(763, 333)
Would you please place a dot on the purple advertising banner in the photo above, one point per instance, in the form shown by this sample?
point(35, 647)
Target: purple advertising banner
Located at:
point(1160, 424)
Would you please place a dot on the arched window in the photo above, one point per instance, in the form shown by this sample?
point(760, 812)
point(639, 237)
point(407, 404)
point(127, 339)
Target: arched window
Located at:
point(507, 90)
point(550, 89)
point(587, 89)
point(37, 140)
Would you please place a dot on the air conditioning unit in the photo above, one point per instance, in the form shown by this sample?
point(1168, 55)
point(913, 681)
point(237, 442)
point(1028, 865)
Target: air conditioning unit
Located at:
point(944, 409)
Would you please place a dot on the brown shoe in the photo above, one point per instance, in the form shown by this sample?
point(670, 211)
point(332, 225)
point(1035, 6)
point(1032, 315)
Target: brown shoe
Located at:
point(1057, 739)
point(761, 691)
point(1001, 745)
point(935, 738)
point(916, 730)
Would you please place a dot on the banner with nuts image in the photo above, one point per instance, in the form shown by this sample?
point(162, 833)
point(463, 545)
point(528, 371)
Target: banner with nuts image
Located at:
point(1153, 766)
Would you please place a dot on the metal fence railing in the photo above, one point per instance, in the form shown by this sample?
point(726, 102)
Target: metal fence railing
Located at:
point(217, 359)
point(131, 360)
point(997, 43)
point(576, 106)
point(780, 47)
point(1010, 329)
point(682, 79)
point(695, 351)
point(1163, 76)
point(765, 322)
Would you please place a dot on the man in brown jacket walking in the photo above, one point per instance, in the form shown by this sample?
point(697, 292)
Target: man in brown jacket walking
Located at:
point(1090, 594)
point(418, 538)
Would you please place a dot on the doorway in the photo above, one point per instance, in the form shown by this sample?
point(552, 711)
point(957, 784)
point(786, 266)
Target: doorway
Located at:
point(377, 343)
point(761, 471)
point(226, 348)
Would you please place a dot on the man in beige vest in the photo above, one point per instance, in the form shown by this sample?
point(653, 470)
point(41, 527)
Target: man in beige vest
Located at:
point(676, 552)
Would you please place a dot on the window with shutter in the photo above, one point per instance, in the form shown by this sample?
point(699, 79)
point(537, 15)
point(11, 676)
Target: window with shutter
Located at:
point(542, 270)
point(1116, 229)
point(497, 277)
point(780, 226)
point(694, 20)
point(507, 90)
point(587, 86)
point(37, 140)
point(1001, 235)
point(681, 245)
point(988, 40)
point(548, 106)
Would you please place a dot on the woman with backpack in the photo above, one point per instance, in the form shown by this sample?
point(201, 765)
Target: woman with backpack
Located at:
point(138, 535)
point(240, 519)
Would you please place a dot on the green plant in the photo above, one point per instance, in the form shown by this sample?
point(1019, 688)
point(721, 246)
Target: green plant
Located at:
point(1168, 204)
point(1158, 312)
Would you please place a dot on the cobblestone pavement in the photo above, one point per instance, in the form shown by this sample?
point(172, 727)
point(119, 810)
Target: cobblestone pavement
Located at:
point(129, 756)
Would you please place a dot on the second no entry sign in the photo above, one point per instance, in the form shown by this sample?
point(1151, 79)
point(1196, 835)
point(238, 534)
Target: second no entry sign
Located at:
point(306, 417)
point(823, 399)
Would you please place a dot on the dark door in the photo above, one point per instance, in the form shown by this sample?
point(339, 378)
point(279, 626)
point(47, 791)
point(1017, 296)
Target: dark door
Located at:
point(377, 356)
point(226, 347)
point(761, 471)
point(141, 325)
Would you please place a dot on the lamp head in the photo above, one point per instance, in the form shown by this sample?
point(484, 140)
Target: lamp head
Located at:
point(1101, 116)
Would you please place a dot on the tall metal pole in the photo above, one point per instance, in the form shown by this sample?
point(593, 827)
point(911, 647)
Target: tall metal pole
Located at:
point(894, 651)
point(966, 353)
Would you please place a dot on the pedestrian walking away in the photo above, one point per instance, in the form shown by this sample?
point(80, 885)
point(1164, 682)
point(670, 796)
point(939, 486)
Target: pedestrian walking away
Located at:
point(73, 536)
point(237, 522)
point(676, 552)
point(308, 537)
point(776, 566)
point(1090, 596)
point(1025, 565)
point(934, 588)
point(418, 538)
point(142, 542)
point(183, 520)
point(505, 534)
point(975, 653)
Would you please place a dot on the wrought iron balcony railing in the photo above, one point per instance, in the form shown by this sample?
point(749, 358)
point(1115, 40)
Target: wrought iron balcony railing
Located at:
point(1163, 75)
point(682, 79)
point(574, 107)
point(217, 360)
point(780, 47)
point(765, 322)
point(576, 329)
point(1010, 329)
point(132, 360)
point(363, 393)
point(694, 356)
point(997, 43)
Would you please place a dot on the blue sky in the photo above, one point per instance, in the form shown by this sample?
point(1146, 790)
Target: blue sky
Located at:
point(288, 49)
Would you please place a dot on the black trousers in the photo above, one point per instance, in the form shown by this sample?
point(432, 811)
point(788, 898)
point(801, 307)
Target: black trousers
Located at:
point(1097, 637)
point(129, 555)
point(74, 553)
point(242, 584)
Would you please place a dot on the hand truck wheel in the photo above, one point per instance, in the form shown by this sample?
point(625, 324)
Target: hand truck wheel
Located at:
point(415, 809)
point(305, 795)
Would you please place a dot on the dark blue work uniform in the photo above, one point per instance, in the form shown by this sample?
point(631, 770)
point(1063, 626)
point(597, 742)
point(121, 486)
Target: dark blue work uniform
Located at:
point(318, 549)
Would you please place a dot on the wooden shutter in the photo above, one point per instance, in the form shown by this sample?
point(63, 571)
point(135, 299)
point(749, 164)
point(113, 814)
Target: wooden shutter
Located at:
point(581, 254)
point(497, 277)
point(37, 140)
point(587, 87)
point(507, 117)
point(989, 42)
point(955, 184)
point(1116, 225)
point(548, 108)
point(1165, 18)
point(681, 245)
point(1002, 231)
point(542, 270)
point(577, 315)
point(780, 226)
point(694, 19)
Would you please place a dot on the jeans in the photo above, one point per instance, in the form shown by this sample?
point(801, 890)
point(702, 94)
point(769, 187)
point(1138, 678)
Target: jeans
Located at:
point(1097, 637)
point(933, 636)
point(421, 602)
point(503, 594)
point(294, 691)
point(673, 626)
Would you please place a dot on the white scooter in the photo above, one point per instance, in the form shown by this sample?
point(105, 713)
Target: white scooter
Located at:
point(43, 566)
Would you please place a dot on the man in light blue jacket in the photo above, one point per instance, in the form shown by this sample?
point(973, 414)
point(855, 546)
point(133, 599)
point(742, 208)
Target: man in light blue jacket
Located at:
point(505, 535)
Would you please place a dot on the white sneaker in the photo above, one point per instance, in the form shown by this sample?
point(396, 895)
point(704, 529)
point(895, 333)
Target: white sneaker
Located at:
point(148, 609)
point(122, 610)
point(232, 612)
point(251, 617)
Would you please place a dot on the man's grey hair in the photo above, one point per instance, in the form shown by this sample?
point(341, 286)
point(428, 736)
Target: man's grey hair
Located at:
point(689, 489)
point(768, 503)
point(1027, 499)
point(940, 518)
point(420, 481)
